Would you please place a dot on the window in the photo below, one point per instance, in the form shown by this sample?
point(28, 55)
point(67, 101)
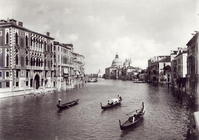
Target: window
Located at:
point(22, 61)
point(17, 74)
point(7, 74)
point(7, 38)
point(31, 41)
point(17, 60)
point(26, 60)
point(0, 74)
point(0, 85)
point(16, 39)
point(7, 84)
point(26, 41)
point(45, 63)
point(31, 82)
point(42, 80)
point(26, 83)
point(0, 33)
point(26, 74)
point(22, 43)
point(31, 61)
point(45, 74)
point(17, 84)
point(7, 60)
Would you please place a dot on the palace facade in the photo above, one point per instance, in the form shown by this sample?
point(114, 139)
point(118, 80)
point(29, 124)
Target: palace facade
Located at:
point(31, 60)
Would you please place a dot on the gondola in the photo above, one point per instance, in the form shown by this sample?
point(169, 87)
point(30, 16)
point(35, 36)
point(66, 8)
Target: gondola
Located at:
point(133, 119)
point(113, 102)
point(67, 105)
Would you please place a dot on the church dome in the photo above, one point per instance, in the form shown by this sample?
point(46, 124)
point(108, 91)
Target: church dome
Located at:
point(117, 62)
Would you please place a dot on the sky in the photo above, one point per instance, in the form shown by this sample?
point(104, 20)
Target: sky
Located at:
point(100, 29)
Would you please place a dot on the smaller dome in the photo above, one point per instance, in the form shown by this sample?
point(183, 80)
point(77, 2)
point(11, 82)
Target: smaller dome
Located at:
point(117, 62)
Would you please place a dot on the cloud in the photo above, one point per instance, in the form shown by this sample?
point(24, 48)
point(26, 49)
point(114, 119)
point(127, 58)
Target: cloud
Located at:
point(99, 28)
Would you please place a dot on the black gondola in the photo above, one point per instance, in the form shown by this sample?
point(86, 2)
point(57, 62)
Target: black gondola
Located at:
point(134, 119)
point(67, 105)
point(113, 102)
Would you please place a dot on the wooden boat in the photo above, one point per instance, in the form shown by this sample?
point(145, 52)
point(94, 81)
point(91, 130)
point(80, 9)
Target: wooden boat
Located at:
point(138, 81)
point(134, 119)
point(67, 105)
point(92, 80)
point(113, 102)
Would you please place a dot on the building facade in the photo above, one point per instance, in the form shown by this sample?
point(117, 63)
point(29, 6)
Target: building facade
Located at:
point(122, 71)
point(159, 70)
point(31, 60)
point(64, 65)
point(26, 57)
point(115, 70)
point(78, 75)
point(192, 65)
point(179, 69)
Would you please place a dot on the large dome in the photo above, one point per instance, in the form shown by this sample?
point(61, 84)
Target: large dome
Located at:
point(117, 62)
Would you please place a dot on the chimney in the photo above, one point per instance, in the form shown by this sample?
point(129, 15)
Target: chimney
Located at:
point(3, 21)
point(56, 43)
point(12, 21)
point(48, 33)
point(20, 23)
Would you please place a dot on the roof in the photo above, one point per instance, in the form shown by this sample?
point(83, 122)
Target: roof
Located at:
point(67, 46)
point(193, 39)
point(13, 24)
point(77, 54)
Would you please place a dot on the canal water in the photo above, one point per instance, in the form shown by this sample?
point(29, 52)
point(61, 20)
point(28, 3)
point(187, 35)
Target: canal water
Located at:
point(36, 117)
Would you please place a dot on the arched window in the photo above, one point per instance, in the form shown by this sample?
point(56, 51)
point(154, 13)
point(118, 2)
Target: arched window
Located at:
point(45, 63)
point(42, 63)
point(26, 60)
point(26, 41)
point(31, 61)
point(17, 60)
point(31, 41)
point(37, 62)
point(7, 38)
point(7, 60)
point(16, 39)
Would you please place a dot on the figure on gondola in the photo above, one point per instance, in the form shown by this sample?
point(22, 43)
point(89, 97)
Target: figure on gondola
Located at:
point(133, 119)
point(59, 101)
point(120, 98)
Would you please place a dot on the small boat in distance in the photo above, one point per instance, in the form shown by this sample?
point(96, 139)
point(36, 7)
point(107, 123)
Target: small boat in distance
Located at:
point(138, 81)
point(92, 80)
point(133, 119)
point(112, 103)
point(67, 105)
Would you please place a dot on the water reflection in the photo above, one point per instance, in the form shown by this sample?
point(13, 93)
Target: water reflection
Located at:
point(37, 117)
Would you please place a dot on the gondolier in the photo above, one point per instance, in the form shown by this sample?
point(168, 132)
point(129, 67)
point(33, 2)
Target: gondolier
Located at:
point(67, 105)
point(112, 103)
point(133, 119)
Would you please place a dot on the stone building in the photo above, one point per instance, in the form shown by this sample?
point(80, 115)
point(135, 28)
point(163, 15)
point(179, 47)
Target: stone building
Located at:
point(179, 69)
point(26, 58)
point(159, 70)
point(64, 65)
point(115, 70)
point(31, 60)
point(78, 75)
point(192, 65)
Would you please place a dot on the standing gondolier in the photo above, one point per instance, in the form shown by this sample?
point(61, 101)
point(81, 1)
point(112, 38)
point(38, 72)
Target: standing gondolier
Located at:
point(59, 101)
